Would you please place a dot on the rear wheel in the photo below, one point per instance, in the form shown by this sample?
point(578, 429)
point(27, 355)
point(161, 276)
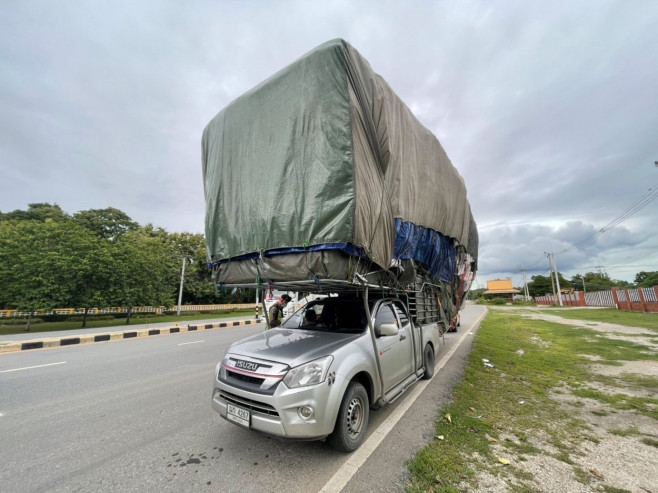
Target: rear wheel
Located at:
point(352, 421)
point(428, 362)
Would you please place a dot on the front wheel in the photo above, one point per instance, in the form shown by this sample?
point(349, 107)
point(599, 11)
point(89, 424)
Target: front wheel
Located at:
point(352, 421)
point(428, 362)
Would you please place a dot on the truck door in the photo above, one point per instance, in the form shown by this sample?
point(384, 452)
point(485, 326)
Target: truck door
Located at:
point(414, 338)
point(395, 351)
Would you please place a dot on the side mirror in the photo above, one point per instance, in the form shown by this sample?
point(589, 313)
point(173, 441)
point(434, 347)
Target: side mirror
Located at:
point(388, 329)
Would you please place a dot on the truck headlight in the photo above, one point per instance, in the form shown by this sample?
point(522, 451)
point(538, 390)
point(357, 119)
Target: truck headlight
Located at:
point(310, 373)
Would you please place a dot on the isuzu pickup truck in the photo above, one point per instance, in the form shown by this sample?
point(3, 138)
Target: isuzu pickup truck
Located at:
point(318, 374)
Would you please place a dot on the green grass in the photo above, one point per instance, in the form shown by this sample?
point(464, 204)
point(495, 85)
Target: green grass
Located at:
point(643, 405)
point(612, 489)
point(486, 403)
point(608, 315)
point(628, 432)
point(134, 320)
point(650, 441)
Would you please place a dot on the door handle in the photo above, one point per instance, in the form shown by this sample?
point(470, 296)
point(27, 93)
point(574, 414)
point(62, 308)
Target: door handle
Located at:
point(403, 337)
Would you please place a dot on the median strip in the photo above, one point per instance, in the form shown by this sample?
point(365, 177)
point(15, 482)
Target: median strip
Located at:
point(51, 342)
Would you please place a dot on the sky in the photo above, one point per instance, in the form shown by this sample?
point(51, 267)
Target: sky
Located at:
point(549, 110)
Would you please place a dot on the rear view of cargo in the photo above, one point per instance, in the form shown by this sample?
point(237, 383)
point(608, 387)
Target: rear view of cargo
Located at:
point(321, 177)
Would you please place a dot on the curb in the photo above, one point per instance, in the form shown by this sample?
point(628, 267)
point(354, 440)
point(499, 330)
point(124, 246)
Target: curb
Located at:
point(70, 340)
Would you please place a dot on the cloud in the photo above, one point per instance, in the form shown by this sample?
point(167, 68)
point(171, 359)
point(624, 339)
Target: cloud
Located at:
point(546, 110)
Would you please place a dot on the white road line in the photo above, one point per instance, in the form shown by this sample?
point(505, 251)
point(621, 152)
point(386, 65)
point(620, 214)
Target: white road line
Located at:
point(361, 455)
point(1, 415)
point(193, 342)
point(30, 367)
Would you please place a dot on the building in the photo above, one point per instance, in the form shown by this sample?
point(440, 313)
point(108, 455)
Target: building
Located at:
point(500, 288)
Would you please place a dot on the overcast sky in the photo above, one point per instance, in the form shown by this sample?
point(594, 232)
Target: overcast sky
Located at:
point(549, 110)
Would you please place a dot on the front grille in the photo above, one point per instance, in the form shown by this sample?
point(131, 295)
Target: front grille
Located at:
point(244, 378)
point(252, 405)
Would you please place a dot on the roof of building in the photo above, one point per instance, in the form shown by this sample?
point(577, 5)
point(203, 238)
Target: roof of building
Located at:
point(500, 286)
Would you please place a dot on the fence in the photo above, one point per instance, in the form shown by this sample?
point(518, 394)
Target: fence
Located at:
point(120, 310)
point(636, 300)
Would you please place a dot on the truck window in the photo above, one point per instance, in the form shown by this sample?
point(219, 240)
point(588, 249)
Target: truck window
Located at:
point(402, 313)
point(385, 316)
point(330, 314)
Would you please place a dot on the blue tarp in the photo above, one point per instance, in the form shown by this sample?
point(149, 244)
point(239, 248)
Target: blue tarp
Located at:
point(426, 246)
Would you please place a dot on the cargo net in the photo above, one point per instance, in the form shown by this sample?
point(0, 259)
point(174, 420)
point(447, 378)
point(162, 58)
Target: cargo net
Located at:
point(439, 302)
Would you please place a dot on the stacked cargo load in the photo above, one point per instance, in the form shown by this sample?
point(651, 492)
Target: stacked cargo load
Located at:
point(321, 177)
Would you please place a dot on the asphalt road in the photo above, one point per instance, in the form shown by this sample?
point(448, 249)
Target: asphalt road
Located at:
point(24, 336)
point(135, 415)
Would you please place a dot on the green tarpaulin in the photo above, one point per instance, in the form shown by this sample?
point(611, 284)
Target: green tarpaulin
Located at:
point(324, 152)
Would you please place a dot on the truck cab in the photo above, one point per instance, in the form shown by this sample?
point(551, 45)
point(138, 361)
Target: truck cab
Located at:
point(318, 374)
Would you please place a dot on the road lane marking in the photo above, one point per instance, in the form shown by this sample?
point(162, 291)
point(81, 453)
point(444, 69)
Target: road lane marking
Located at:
point(31, 367)
point(350, 467)
point(186, 343)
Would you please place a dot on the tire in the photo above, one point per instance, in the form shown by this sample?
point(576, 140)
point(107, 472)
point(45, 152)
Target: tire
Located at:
point(428, 362)
point(352, 421)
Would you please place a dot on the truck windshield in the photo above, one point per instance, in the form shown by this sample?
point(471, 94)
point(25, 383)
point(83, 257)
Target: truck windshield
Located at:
point(330, 314)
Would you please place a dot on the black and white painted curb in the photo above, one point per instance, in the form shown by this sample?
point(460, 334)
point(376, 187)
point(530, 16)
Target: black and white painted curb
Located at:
point(69, 340)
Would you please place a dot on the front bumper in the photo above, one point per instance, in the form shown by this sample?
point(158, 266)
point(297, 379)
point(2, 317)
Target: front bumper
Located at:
point(279, 414)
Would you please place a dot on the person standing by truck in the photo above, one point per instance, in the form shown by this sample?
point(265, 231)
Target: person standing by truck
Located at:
point(277, 310)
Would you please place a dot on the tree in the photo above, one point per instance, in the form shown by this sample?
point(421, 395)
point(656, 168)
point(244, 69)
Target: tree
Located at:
point(37, 267)
point(474, 294)
point(597, 281)
point(109, 223)
point(91, 273)
point(540, 285)
point(198, 287)
point(37, 212)
point(144, 271)
point(645, 279)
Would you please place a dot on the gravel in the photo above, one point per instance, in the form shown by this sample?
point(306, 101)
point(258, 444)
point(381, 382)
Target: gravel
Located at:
point(606, 461)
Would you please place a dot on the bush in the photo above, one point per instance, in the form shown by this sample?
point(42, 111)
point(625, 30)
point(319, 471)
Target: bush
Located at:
point(499, 301)
point(19, 321)
point(55, 318)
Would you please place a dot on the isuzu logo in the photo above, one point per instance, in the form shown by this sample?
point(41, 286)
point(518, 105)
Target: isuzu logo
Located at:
point(246, 365)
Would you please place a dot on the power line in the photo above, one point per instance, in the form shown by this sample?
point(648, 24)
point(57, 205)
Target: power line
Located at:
point(642, 202)
point(650, 195)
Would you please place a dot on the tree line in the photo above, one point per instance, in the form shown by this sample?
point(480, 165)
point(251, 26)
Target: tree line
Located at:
point(99, 258)
point(591, 281)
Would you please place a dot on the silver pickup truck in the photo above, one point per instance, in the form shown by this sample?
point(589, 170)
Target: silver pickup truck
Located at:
point(318, 374)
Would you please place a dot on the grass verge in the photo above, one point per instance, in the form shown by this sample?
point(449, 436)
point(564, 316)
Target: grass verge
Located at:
point(608, 315)
point(498, 412)
point(134, 320)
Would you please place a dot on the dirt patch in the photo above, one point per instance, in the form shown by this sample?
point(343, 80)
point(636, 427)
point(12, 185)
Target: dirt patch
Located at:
point(601, 461)
point(648, 368)
point(616, 450)
point(637, 335)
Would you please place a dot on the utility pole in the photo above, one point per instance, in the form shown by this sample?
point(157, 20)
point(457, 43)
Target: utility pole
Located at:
point(525, 286)
point(180, 291)
point(550, 273)
point(557, 280)
point(553, 269)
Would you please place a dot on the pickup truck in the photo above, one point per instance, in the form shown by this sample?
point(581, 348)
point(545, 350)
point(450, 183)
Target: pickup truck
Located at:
point(318, 374)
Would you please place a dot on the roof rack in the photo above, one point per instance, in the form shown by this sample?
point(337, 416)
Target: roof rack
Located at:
point(321, 286)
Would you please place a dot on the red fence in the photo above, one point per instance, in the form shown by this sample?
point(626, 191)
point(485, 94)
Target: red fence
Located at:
point(636, 300)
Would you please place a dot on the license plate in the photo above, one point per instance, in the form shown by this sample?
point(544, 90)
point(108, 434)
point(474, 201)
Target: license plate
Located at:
point(238, 415)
